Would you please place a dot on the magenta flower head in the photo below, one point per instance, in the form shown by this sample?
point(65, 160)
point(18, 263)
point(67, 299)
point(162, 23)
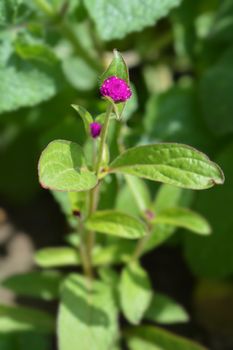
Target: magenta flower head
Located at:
point(116, 88)
point(95, 129)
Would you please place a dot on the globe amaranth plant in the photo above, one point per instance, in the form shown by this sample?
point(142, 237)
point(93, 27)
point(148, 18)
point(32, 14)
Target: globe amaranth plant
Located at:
point(90, 303)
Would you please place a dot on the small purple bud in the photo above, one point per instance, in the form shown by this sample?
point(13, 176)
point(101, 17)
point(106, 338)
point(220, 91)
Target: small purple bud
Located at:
point(116, 88)
point(149, 215)
point(77, 213)
point(95, 129)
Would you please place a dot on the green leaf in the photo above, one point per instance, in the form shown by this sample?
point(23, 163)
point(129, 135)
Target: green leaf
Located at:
point(115, 19)
point(86, 117)
point(87, 315)
point(171, 163)
point(155, 338)
point(160, 234)
point(100, 118)
point(182, 217)
point(116, 68)
point(165, 310)
point(142, 194)
point(27, 83)
point(43, 285)
point(116, 223)
point(67, 256)
point(170, 196)
point(115, 107)
point(113, 253)
point(125, 201)
point(22, 319)
point(135, 292)
point(167, 197)
point(79, 74)
point(34, 51)
point(73, 239)
point(54, 257)
point(62, 167)
point(8, 11)
point(109, 276)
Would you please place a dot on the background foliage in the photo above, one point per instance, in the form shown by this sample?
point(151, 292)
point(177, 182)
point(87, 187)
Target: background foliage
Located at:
point(180, 56)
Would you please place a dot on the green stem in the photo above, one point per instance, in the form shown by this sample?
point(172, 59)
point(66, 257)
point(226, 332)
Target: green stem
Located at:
point(86, 263)
point(103, 139)
point(93, 194)
point(90, 236)
point(45, 7)
point(142, 244)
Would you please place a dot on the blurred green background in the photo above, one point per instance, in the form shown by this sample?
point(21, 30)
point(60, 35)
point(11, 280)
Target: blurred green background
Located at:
point(180, 56)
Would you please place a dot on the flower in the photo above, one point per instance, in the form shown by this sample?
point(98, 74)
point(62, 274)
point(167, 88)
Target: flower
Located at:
point(95, 129)
point(116, 88)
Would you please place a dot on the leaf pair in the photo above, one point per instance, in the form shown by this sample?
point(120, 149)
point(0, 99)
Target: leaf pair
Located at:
point(63, 167)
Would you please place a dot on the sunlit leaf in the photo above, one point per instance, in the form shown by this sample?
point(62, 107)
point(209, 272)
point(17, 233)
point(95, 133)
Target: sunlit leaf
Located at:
point(165, 310)
point(115, 19)
point(54, 257)
point(21, 319)
point(182, 217)
point(86, 117)
point(171, 163)
point(116, 68)
point(135, 292)
point(37, 284)
point(139, 191)
point(154, 338)
point(116, 223)
point(62, 167)
point(87, 315)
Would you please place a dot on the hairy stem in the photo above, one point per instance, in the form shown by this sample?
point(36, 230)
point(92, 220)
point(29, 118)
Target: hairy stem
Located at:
point(90, 238)
point(141, 244)
point(86, 263)
point(93, 194)
point(103, 137)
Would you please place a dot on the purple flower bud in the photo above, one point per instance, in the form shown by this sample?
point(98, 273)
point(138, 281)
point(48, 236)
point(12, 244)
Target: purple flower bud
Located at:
point(95, 129)
point(77, 213)
point(149, 215)
point(116, 88)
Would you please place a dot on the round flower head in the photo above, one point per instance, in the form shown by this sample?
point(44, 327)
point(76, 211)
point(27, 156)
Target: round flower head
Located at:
point(95, 129)
point(116, 88)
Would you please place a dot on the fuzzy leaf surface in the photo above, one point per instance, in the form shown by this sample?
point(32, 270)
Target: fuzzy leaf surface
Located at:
point(62, 167)
point(170, 163)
